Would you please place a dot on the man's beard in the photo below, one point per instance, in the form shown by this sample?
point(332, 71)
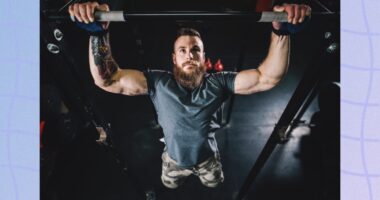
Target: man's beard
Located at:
point(191, 79)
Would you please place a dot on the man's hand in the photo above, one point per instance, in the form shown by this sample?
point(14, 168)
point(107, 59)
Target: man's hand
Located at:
point(296, 13)
point(84, 12)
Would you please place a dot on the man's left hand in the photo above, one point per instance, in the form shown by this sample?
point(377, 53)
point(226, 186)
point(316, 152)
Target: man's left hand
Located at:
point(296, 13)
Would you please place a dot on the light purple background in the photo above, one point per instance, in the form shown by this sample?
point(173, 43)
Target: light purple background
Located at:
point(19, 100)
point(360, 100)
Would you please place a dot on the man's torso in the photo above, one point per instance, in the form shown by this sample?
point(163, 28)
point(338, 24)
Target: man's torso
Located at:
point(186, 116)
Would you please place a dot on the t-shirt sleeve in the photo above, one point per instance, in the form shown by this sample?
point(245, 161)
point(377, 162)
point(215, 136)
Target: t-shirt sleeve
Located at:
point(153, 78)
point(227, 80)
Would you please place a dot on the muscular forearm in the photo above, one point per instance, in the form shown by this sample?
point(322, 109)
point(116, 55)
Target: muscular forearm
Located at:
point(103, 66)
point(276, 63)
point(269, 73)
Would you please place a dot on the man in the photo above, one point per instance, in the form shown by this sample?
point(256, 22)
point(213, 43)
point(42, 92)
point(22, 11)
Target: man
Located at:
point(186, 99)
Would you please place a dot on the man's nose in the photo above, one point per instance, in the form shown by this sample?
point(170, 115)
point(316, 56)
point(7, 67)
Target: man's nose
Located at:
point(189, 56)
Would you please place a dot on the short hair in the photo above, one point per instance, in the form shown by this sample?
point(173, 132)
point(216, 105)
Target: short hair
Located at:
point(187, 32)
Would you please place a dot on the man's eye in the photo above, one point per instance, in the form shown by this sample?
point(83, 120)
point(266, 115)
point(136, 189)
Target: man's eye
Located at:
point(196, 50)
point(182, 51)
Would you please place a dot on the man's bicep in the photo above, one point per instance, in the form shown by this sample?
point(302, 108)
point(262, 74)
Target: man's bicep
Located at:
point(246, 82)
point(132, 82)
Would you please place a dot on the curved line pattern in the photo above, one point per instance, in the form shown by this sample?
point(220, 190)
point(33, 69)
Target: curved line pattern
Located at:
point(363, 118)
point(10, 107)
point(359, 174)
point(359, 32)
point(353, 67)
point(358, 103)
point(20, 167)
point(359, 139)
point(10, 8)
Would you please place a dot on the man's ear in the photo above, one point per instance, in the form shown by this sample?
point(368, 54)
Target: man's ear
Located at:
point(173, 59)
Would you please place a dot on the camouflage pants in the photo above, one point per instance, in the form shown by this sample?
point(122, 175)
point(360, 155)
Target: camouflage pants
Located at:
point(209, 172)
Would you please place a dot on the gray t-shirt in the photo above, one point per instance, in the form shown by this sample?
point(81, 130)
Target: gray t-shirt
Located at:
point(186, 116)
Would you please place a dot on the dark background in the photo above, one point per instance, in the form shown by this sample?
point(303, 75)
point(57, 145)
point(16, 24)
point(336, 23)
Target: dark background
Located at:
point(74, 166)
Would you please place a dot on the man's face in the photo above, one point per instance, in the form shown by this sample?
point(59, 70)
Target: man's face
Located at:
point(188, 60)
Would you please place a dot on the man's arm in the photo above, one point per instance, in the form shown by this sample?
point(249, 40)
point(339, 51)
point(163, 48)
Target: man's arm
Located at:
point(270, 71)
point(106, 72)
point(108, 75)
point(275, 65)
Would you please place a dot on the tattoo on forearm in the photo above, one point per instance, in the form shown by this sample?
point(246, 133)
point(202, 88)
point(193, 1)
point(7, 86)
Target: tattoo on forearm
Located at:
point(101, 51)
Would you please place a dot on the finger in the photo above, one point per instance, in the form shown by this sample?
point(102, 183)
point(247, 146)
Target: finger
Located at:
point(297, 14)
point(290, 11)
point(94, 5)
point(279, 8)
point(103, 7)
point(83, 13)
point(90, 12)
point(71, 12)
point(76, 12)
point(303, 14)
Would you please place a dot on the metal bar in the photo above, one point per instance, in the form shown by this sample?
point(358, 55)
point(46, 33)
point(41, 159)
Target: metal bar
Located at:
point(305, 106)
point(323, 6)
point(260, 162)
point(254, 16)
point(311, 77)
point(123, 16)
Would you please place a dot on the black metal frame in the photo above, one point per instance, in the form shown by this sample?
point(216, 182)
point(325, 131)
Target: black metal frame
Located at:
point(298, 103)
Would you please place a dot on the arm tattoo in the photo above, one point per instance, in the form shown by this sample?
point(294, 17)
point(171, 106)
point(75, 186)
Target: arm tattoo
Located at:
point(103, 58)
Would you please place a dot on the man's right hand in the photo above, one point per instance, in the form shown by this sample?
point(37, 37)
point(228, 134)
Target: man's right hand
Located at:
point(84, 12)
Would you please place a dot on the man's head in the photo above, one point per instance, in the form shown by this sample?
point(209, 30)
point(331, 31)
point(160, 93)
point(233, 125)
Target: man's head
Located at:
point(188, 58)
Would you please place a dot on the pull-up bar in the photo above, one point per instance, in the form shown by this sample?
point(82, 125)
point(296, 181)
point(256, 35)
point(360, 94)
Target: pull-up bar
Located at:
point(124, 16)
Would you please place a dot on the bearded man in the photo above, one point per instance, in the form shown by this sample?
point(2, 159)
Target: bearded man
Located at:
point(186, 99)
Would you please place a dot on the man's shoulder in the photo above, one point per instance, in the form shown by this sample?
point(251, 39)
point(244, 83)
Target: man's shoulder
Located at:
point(223, 79)
point(158, 76)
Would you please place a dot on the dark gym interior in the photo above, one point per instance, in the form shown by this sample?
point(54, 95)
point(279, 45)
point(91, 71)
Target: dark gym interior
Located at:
point(78, 163)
